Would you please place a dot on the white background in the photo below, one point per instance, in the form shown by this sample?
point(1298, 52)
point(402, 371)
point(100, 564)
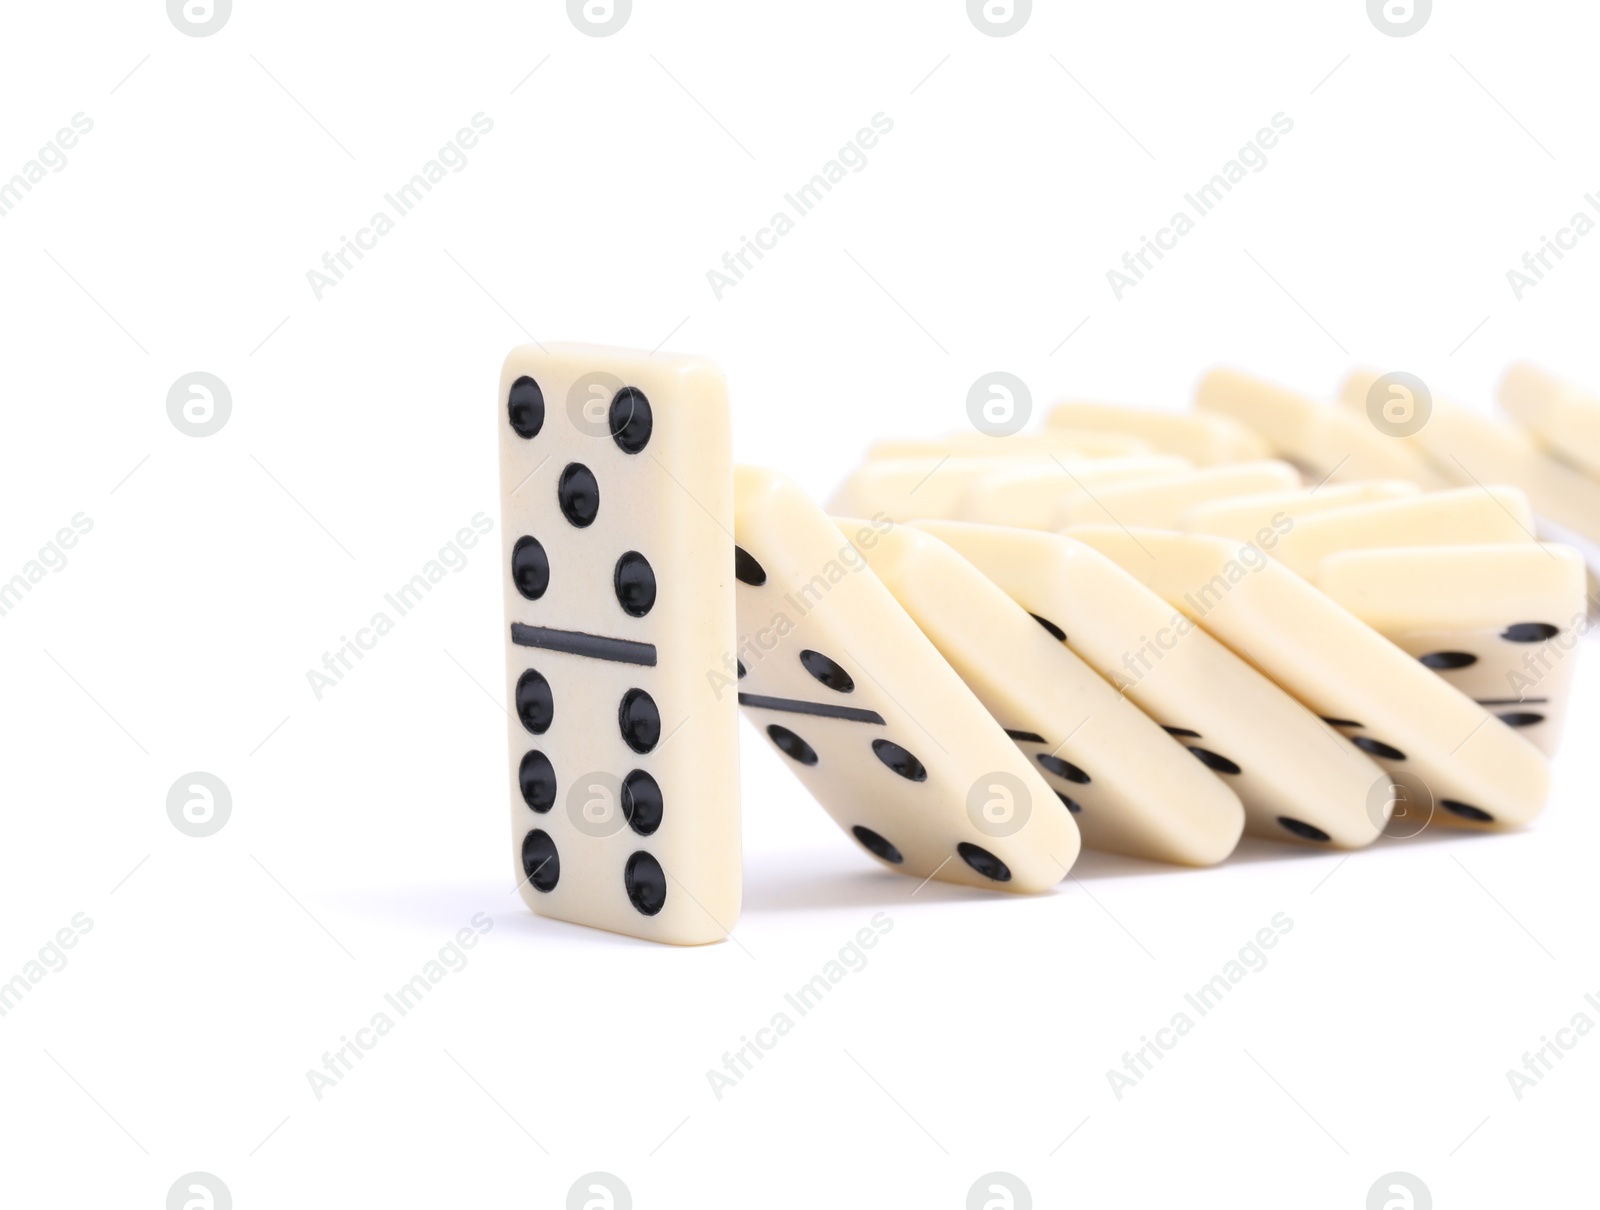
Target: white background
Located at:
point(368, 826)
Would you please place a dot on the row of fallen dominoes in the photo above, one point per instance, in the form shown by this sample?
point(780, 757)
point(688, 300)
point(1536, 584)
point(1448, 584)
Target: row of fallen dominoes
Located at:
point(1143, 632)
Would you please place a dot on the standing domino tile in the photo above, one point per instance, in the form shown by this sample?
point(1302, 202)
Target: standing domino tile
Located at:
point(1156, 502)
point(1247, 514)
point(1325, 441)
point(1500, 623)
point(616, 486)
point(1204, 438)
point(869, 716)
point(1434, 741)
point(1296, 778)
point(1563, 418)
point(1132, 788)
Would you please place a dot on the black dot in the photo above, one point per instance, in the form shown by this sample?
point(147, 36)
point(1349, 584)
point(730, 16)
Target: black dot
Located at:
point(640, 720)
point(579, 494)
point(646, 882)
point(1050, 626)
point(1519, 718)
point(541, 864)
point(1303, 830)
point(641, 802)
point(1072, 803)
point(826, 671)
point(1063, 769)
point(1530, 632)
point(1182, 731)
point(1376, 747)
point(877, 845)
point(1341, 722)
point(901, 761)
point(537, 777)
point(1443, 661)
point(1217, 764)
point(985, 862)
point(1465, 811)
point(535, 705)
point(746, 569)
point(635, 583)
point(631, 421)
point(791, 745)
point(741, 668)
point(526, 407)
point(530, 568)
